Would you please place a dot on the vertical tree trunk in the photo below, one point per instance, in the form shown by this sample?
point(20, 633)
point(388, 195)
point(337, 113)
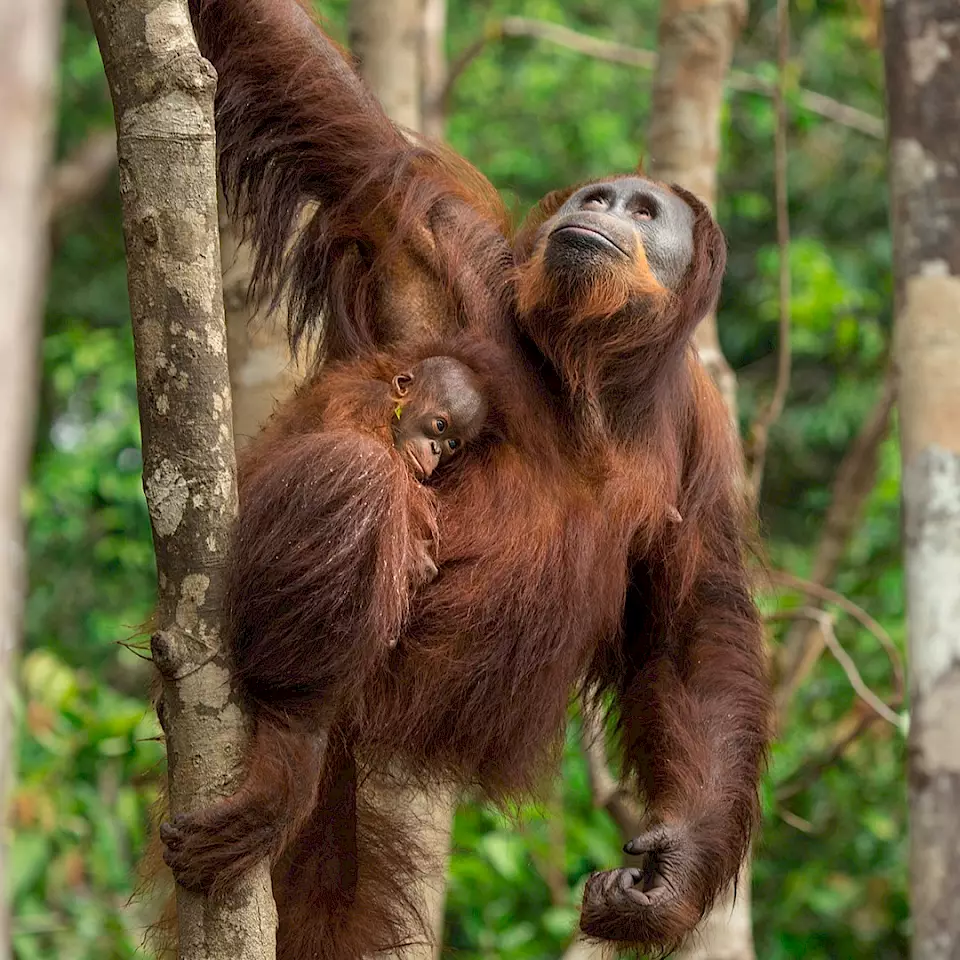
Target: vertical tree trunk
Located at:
point(434, 69)
point(923, 90)
point(390, 38)
point(386, 36)
point(262, 373)
point(163, 101)
point(694, 48)
point(28, 70)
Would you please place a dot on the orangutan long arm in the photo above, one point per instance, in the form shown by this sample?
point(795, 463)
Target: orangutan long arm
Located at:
point(296, 128)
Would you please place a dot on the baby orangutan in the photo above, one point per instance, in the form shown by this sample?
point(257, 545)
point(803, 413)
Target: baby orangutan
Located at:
point(358, 448)
point(439, 409)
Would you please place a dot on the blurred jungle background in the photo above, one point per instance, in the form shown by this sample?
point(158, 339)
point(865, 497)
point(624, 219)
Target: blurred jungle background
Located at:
point(534, 112)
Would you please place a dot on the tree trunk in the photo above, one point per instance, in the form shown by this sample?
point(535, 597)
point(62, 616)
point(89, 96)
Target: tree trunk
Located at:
point(399, 45)
point(390, 38)
point(163, 102)
point(694, 49)
point(923, 90)
point(262, 373)
point(28, 70)
point(434, 69)
point(386, 36)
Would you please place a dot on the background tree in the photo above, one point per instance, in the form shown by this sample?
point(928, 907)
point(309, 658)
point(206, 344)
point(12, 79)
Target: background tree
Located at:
point(556, 92)
point(28, 44)
point(923, 90)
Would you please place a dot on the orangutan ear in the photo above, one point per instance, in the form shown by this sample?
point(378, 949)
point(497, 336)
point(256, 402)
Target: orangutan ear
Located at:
point(401, 383)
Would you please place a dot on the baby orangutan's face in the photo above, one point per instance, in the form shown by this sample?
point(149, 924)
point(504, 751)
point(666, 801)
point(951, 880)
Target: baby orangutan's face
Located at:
point(439, 409)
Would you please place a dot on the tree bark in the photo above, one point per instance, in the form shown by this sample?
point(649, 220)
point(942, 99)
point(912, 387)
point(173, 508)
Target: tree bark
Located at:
point(163, 101)
point(434, 68)
point(28, 70)
point(390, 38)
point(386, 37)
point(694, 48)
point(922, 39)
point(262, 372)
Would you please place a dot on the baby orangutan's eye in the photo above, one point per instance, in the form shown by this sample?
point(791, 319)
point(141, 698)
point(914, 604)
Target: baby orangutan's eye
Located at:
point(439, 424)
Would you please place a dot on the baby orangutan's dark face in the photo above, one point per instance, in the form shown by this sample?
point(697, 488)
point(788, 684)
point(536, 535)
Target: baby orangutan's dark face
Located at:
point(439, 410)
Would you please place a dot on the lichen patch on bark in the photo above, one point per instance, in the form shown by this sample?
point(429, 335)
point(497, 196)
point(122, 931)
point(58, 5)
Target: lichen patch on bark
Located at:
point(167, 495)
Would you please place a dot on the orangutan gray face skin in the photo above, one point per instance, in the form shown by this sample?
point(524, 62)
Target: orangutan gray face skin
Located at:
point(440, 409)
point(604, 220)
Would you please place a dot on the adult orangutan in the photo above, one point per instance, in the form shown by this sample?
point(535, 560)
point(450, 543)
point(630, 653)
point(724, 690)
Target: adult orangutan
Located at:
point(562, 561)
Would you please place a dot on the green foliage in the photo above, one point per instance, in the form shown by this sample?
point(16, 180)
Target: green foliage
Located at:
point(829, 879)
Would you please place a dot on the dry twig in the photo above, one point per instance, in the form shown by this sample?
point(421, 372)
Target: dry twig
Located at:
point(854, 480)
point(826, 623)
point(825, 594)
point(737, 80)
point(760, 434)
point(846, 734)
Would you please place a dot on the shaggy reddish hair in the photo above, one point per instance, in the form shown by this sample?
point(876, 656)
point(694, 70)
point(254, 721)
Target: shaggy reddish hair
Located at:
point(598, 545)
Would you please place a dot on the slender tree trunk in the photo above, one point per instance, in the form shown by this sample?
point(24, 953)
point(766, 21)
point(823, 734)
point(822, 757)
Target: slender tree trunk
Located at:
point(386, 36)
point(163, 101)
point(398, 43)
point(262, 373)
point(923, 90)
point(434, 68)
point(694, 49)
point(28, 70)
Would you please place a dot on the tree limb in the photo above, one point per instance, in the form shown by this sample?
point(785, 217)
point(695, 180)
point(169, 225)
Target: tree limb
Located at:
point(826, 595)
point(163, 102)
point(82, 174)
point(737, 80)
point(28, 68)
point(854, 480)
point(826, 624)
point(606, 792)
point(760, 434)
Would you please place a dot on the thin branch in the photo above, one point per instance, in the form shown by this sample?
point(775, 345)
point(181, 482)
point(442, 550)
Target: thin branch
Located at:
point(798, 823)
point(760, 435)
point(826, 624)
point(854, 480)
point(606, 792)
point(737, 80)
point(820, 592)
point(82, 174)
point(812, 770)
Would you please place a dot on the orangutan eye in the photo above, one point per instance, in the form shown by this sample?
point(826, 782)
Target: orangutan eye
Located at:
point(439, 424)
point(453, 445)
point(644, 213)
point(594, 202)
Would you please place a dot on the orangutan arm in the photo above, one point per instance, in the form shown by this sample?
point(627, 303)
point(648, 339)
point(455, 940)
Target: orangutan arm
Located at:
point(348, 215)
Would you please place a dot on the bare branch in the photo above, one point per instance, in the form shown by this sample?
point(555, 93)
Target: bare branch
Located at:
point(826, 624)
point(82, 174)
point(846, 734)
point(826, 595)
point(607, 793)
point(737, 80)
point(760, 434)
point(798, 823)
point(854, 480)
